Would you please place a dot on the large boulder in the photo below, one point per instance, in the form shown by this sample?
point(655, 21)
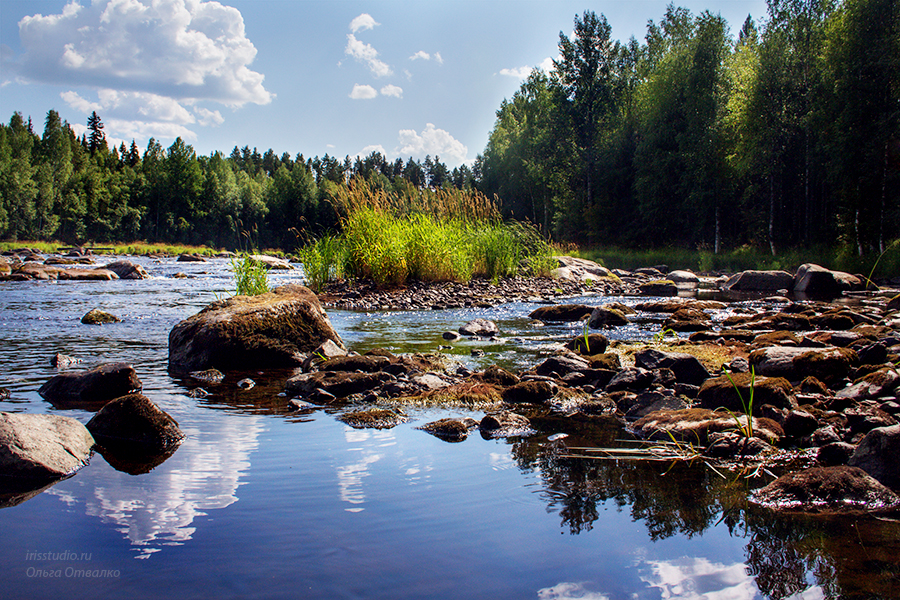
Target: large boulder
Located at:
point(135, 422)
point(813, 279)
point(877, 455)
point(41, 447)
point(686, 367)
point(826, 364)
point(694, 425)
point(607, 317)
point(760, 281)
point(479, 328)
point(275, 329)
point(92, 388)
point(831, 489)
point(733, 392)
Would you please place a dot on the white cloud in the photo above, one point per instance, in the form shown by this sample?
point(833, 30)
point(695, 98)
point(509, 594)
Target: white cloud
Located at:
point(422, 55)
point(184, 49)
point(568, 590)
point(363, 22)
point(519, 73)
point(370, 149)
point(546, 65)
point(209, 117)
point(392, 90)
point(699, 579)
point(367, 55)
point(363, 92)
point(433, 141)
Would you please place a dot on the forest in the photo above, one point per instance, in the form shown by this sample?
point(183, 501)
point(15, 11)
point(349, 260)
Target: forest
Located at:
point(785, 134)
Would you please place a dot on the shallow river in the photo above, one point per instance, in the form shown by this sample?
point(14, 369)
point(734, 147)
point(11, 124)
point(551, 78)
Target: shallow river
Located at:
point(261, 503)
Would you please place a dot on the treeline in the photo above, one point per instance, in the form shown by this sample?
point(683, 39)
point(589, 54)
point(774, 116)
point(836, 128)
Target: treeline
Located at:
point(59, 186)
point(783, 136)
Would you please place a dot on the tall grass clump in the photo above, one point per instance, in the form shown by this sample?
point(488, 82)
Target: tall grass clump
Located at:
point(323, 261)
point(251, 277)
point(427, 235)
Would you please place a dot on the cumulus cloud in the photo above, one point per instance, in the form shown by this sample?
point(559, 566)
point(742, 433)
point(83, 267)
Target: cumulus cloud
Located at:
point(431, 141)
point(177, 48)
point(363, 22)
point(392, 90)
point(363, 92)
point(367, 55)
point(151, 62)
point(370, 149)
point(422, 55)
point(519, 73)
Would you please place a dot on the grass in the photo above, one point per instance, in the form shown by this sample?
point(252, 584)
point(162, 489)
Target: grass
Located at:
point(745, 429)
point(841, 258)
point(425, 235)
point(251, 277)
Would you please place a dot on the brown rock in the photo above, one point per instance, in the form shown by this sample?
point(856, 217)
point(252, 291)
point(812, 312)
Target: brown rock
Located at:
point(828, 489)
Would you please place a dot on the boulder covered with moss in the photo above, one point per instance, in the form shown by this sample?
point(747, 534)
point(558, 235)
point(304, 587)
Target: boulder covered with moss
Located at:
point(276, 329)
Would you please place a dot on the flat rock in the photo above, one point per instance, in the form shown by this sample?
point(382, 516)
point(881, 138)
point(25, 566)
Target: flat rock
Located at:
point(275, 329)
point(760, 281)
point(694, 425)
point(826, 489)
point(564, 313)
point(42, 447)
point(734, 392)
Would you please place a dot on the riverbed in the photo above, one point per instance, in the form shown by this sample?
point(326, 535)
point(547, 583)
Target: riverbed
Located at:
point(261, 502)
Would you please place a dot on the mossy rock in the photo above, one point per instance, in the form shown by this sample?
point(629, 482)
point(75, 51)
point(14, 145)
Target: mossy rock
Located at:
point(373, 418)
point(607, 360)
point(596, 344)
point(830, 365)
point(99, 317)
point(733, 392)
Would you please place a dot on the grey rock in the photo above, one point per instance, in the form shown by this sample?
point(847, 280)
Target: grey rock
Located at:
point(42, 447)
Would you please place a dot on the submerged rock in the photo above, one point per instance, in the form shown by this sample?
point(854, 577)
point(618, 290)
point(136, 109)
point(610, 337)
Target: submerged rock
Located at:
point(275, 329)
point(92, 388)
point(826, 489)
point(505, 424)
point(451, 430)
point(41, 447)
point(374, 418)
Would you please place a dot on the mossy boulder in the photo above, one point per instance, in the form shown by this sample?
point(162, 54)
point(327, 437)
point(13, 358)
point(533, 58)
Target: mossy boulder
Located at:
point(562, 313)
point(273, 330)
point(531, 392)
point(595, 343)
point(733, 392)
point(607, 317)
point(134, 422)
point(96, 316)
point(373, 418)
point(694, 425)
point(658, 287)
point(826, 489)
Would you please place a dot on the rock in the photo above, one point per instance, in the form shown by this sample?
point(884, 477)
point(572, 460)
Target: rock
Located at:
point(373, 418)
point(479, 328)
point(98, 274)
point(813, 279)
point(882, 382)
point(208, 375)
point(246, 383)
point(649, 402)
point(633, 379)
point(325, 350)
point(694, 425)
point(133, 422)
point(595, 343)
point(41, 447)
point(828, 364)
point(826, 489)
point(451, 430)
point(498, 376)
point(608, 360)
point(893, 303)
point(564, 313)
point(98, 317)
point(719, 392)
point(366, 364)
point(686, 367)
point(760, 281)
point(835, 453)
point(269, 330)
point(607, 317)
point(505, 424)
point(190, 258)
point(799, 423)
point(450, 336)
point(428, 381)
point(877, 455)
point(531, 392)
point(683, 279)
point(92, 388)
point(658, 287)
point(561, 365)
point(63, 361)
point(272, 262)
point(728, 444)
point(336, 383)
point(126, 269)
point(671, 305)
point(5, 267)
point(578, 269)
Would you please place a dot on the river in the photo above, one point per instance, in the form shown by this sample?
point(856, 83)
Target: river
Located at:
point(261, 503)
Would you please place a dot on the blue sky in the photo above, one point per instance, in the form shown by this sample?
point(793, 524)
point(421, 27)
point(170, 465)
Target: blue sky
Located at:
point(407, 78)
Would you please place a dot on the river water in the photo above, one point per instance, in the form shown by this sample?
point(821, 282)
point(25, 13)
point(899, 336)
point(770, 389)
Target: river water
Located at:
point(262, 503)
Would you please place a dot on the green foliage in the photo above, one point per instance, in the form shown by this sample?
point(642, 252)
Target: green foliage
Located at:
point(323, 261)
point(745, 429)
point(251, 277)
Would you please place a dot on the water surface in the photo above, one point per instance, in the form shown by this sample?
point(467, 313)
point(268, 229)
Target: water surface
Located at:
point(262, 503)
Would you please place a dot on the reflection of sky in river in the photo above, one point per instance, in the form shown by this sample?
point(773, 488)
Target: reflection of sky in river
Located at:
point(202, 475)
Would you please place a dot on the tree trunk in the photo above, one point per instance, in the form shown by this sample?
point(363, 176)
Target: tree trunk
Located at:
point(772, 214)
